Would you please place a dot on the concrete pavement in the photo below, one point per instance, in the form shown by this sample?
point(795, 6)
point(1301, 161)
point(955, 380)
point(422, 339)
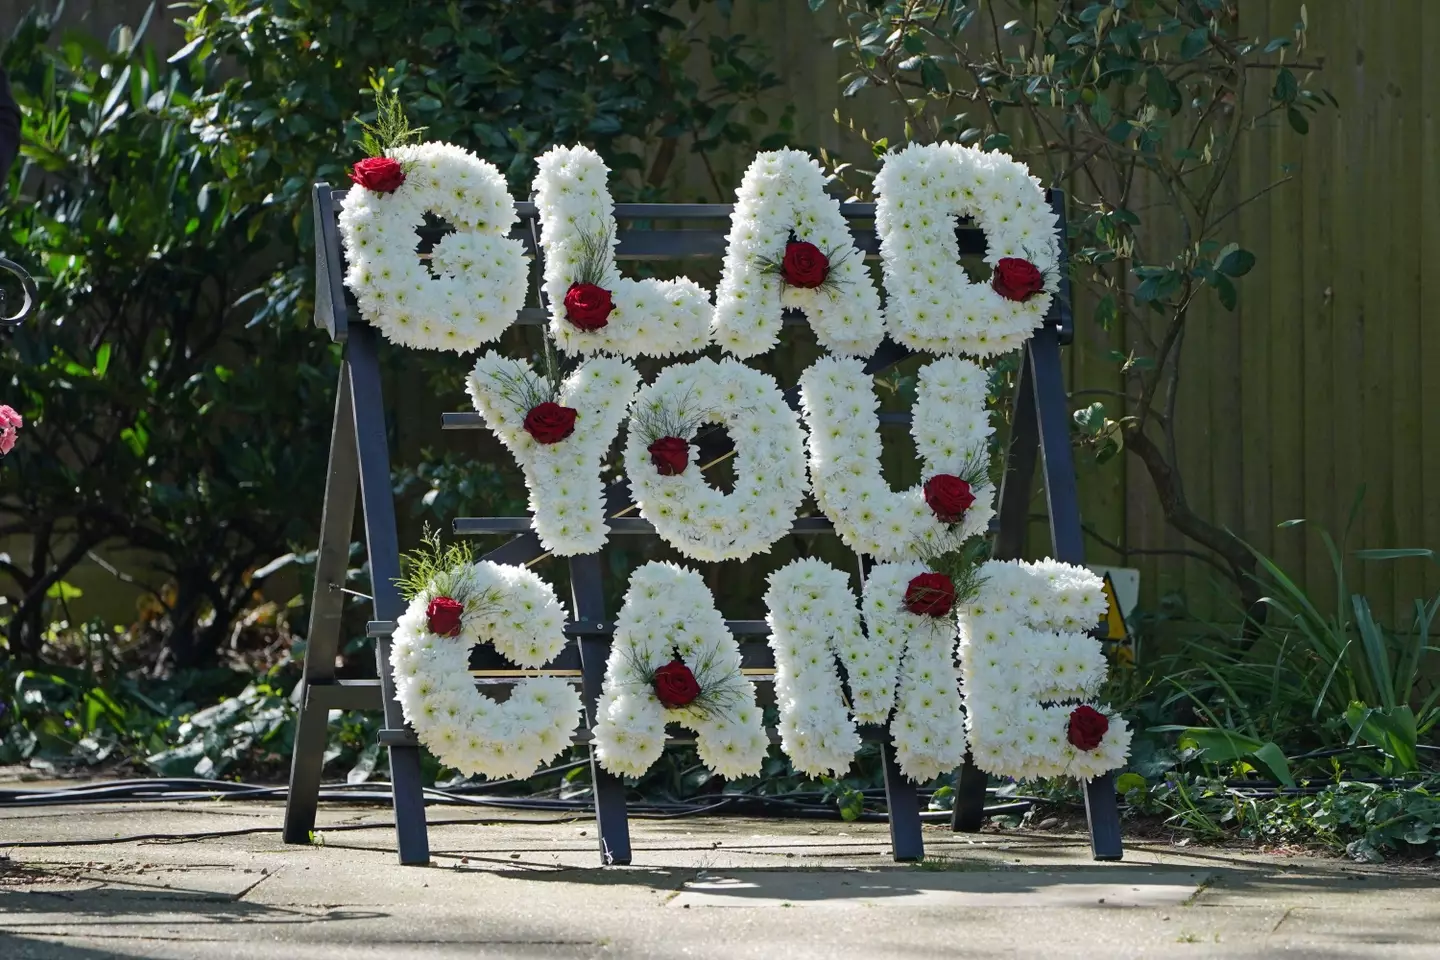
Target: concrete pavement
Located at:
point(211, 880)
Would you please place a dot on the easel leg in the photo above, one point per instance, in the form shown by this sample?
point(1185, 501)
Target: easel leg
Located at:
point(968, 815)
point(1063, 496)
point(1103, 813)
point(906, 841)
point(326, 607)
point(611, 823)
point(383, 545)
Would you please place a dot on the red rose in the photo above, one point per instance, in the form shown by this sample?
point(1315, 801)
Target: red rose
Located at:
point(930, 594)
point(380, 174)
point(804, 265)
point(1017, 279)
point(675, 685)
point(588, 306)
point(443, 616)
point(550, 422)
point(670, 455)
point(948, 497)
point(1087, 727)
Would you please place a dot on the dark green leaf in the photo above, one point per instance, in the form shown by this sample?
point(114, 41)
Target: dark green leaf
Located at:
point(1225, 290)
point(1236, 263)
point(932, 76)
point(1195, 43)
point(1100, 110)
point(1091, 419)
point(1297, 121)
point(996, 141)
point(1285, 87)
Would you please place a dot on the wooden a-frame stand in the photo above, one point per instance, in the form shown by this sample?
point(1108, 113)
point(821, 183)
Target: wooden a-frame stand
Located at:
point(360, 461)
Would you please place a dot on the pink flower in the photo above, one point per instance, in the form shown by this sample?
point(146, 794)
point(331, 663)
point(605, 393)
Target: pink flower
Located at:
point(10, 423)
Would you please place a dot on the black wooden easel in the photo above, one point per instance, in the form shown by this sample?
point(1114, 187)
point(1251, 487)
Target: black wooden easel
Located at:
point(359, 458)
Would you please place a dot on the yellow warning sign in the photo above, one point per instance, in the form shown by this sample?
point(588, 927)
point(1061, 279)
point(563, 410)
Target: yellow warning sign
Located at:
point(1112, 627)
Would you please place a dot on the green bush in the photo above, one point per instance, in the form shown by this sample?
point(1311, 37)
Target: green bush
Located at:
point(152, 418)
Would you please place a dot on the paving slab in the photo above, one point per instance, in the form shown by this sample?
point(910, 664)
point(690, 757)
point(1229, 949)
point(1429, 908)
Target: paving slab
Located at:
point(211, 881)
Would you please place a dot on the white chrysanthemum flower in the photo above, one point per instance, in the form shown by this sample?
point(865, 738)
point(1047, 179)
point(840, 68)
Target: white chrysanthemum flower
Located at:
point(782, 196)
point(653, 318)
point(567, 495)
point(932, 305)
point(475, 284)
point(1028, 665)
point(517, 612)
point(668, 612)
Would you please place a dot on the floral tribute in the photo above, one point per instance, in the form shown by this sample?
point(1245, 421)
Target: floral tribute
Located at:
point(455, 603)
point(475, 283)
point(886, 656)
point(951, 429)
point(1026, 660)
point(933, 305)
point(559, 434)
point(673, 660)
point(592, 308)
point(790, 247)
point(689, 514)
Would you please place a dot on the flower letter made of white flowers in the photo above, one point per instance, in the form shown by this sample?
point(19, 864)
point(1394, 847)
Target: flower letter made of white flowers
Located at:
point(905, 664)
point(932, 305)
point(689, 514)
point(653, 318)
point(474, 287)
point(951, 429)
point(567, 494)
point(782, 198)
point(512, 608)
point(1024, 652)
point(668, 613)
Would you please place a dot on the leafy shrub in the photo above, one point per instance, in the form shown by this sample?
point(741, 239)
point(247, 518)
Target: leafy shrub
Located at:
point(152, 415)
point(1315, 679)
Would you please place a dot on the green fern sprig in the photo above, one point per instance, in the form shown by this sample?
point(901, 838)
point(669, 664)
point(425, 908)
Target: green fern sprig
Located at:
point(594, 254)
point(391, 128)
point(961, 564)
point(523, 390)
point(830, 286)
point(975, 470)
point(682, 419)
point(433, 566)
point(718, 696)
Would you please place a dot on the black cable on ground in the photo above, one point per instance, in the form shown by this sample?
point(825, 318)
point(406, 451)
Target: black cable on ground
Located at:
point(809, 805)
